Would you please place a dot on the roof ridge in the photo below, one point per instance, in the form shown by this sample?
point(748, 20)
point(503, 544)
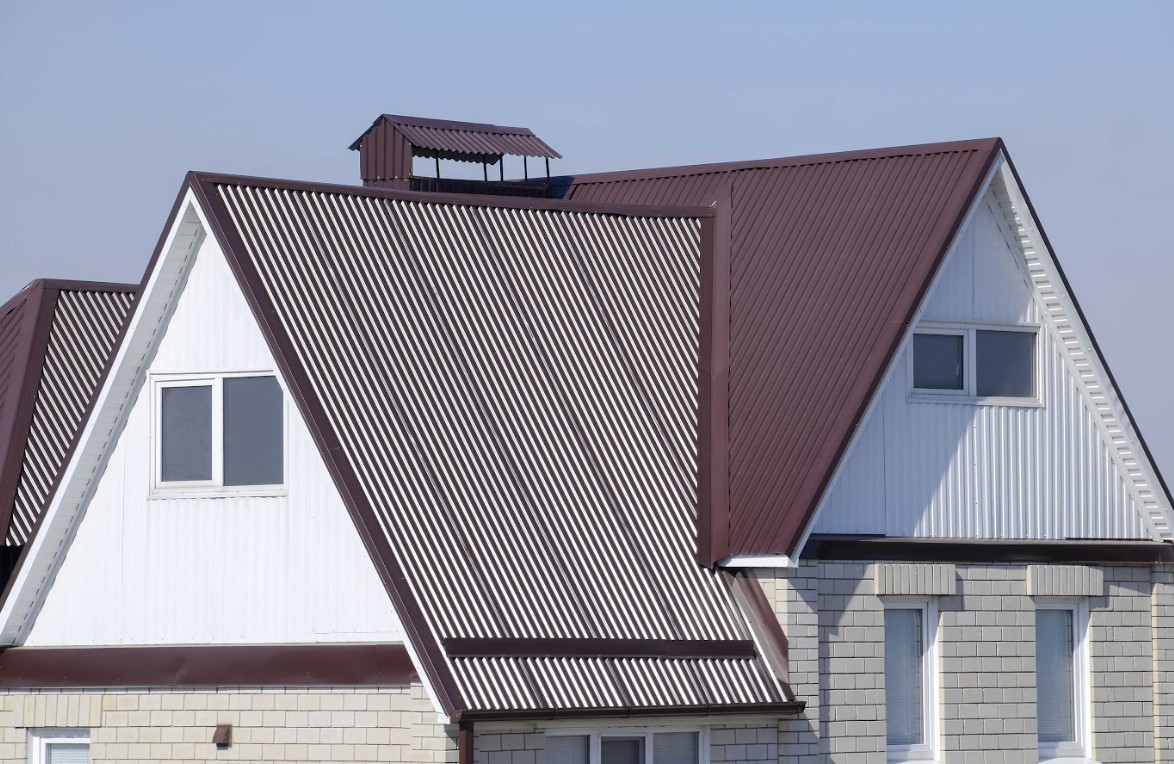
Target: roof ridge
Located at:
point(455, 199)
point(801, 160)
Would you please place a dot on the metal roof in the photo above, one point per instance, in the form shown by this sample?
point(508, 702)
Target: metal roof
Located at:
point(828, 259)
point(467, 141)
point(55, 340)
point(506, 392)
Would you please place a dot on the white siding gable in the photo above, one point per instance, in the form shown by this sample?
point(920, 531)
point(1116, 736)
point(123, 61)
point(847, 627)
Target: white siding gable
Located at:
point(970, 470)
point(279, 569)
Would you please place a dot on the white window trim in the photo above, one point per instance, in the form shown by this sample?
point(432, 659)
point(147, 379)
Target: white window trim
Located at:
point(930, 679)
point(596, 735)
point(1080, 749)
point(214, 487)
point(967, 396)
point(41, 739)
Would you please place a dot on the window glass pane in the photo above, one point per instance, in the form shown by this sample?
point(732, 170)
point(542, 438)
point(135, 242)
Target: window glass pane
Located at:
point(186, 434)
point(903, 680)
point(1054, 676)
point(567, 749)
point(937, 361)
point(674, 748)
point(626, 750)
point(253, 447)
point(1005, 363)
point(68, 753)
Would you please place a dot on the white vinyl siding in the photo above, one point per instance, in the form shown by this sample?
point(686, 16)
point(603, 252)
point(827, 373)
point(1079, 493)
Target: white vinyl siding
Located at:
point(231, 569)
point(939, 467)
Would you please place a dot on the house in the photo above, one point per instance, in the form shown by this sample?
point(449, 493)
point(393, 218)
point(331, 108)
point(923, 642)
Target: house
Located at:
point(808, 459)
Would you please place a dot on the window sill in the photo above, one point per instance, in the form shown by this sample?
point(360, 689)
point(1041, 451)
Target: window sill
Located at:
point(1069, 760)
point(971, 400)
point(218, 492)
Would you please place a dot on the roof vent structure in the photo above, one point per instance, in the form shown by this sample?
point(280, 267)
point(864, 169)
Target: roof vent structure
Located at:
point(387, 148)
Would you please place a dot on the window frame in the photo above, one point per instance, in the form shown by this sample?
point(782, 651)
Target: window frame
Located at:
point(928, 749)
point(968, 395)
point(596, 735)
point(39, 740)
point(187, 489)
point(1081, 682)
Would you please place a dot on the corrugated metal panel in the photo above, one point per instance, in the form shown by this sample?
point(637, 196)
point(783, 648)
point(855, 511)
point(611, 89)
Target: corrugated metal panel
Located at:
point(559, 349)
point(17, 323)
point(84, 328)
point(829, 257)
point(246, 570)
point(954, 470)
point(468, 138)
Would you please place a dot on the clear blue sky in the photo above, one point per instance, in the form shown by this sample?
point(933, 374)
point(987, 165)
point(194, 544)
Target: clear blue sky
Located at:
point(104, 106)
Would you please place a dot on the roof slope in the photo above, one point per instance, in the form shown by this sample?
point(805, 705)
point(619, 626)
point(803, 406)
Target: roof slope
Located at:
point(829, 257)
point(506, 392)
point(55, 340)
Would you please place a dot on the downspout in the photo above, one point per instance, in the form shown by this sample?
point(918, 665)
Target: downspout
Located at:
point(465, 742)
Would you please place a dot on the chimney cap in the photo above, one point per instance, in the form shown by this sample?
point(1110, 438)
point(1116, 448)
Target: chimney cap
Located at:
point(462, 141)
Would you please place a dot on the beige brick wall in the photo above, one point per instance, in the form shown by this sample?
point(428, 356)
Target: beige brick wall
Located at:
point(1121, 658)
point(986, 644)
point(269, 725)
point(1162, 626)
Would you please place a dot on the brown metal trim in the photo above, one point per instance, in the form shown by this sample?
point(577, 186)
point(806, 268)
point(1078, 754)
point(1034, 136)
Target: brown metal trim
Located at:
point(786, 708)
point(77, 285)
point(977, 144)
point(765, 624)
point(714, 456)
point(1108, 552)
point(464, 200)
point(993, 148)
point(41, 300)
point(1087, 327)
point(542, 647)
point(206, 666)
point(346, 481)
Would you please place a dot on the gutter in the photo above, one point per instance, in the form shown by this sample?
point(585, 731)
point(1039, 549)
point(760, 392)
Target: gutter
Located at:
point(784, 708)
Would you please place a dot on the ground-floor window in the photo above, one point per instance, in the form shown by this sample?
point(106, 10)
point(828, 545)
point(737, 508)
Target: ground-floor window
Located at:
point(910, 678)
point(627, 746)
point(59, 746)
point(1061, 678)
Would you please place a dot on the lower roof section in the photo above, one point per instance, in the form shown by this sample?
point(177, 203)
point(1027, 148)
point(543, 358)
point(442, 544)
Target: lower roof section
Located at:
point(578, 685)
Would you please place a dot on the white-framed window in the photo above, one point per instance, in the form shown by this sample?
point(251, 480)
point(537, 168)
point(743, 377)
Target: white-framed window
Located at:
point(217, 434)
point(628, 745)
point(911, 678)
point(975, 363)
point(1063, 708)
point(59, 746)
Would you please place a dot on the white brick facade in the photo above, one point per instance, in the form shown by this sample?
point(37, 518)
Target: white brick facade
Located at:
point(986, 640)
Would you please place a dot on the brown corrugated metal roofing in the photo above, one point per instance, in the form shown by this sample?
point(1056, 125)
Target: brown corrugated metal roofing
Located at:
point(506, 392)
point(55, 340)
point(463, 140)
point(829, 257)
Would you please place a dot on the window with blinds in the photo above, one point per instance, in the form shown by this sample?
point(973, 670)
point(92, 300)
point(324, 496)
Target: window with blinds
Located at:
point(904, 653)
point(630, 746)
point(59, 746)
point(1061, 678)
point(910, 679)
point(67, 753)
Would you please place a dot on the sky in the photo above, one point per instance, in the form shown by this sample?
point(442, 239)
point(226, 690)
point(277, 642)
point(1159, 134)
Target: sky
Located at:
point(105, 105)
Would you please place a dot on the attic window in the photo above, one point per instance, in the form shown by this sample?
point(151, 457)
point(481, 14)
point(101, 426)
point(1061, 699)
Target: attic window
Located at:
point(219, 433)
point(977, 364)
